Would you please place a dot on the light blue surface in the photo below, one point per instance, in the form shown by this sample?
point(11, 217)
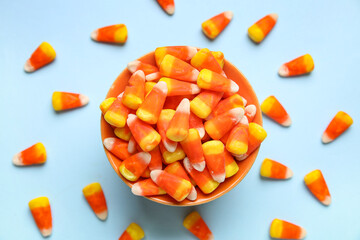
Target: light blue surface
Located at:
point(328, 30)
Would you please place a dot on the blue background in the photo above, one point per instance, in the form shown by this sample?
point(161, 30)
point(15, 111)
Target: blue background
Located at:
point(328, 30)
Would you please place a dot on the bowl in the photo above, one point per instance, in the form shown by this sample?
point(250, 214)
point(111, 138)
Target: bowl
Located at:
point(244, 166)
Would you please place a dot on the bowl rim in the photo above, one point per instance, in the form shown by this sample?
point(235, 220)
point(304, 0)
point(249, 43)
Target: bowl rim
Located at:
point(211, 197)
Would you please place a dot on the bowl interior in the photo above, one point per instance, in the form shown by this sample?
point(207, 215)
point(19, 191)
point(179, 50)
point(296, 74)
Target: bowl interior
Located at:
point(244, 166)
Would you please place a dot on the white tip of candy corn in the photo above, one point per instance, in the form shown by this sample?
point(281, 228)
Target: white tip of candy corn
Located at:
point(287, 123)
point(194, 75)
point(244, 120)
point(162, 86)
point(325, 138)
point(131, 146)
point(326, 201)
point(145, 157)
point(229, 14)
point(94, 35)
point(170, 10)
point(17, 160)
point(187, 164)
point(120, 95)
point(46, 232)
point(289, 173)
point(170, 146)
point(283, 71)
point(84, 99)
point(274, 16)
point(195, 89)
point(250, 110)
point(192, 195)
point(109, 143)
point(136, 189)
point(184, 106)
point(192, 51)
point(234, 87)
point(238, 113)
point(131, 118)
point(201, 132)
point(153, 76)
point(302, 234)
point(140, 73)
point(132, 66)
point(103, 215)
point(154, 174)
point(28, 67)
point(218, 177)
point(244, 100)
point(199, 166)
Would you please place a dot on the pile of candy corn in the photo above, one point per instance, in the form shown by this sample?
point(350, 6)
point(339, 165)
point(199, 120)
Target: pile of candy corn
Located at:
point(183, 113)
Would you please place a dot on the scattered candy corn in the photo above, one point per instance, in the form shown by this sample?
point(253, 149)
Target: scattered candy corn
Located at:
point(272, 169)
point(184, 53)
point(150, 109)
point(134, 94)
point(298, 66)
point(145, 67)
point(193, 148)
point(261, 28)
point(177, 187)
point(205, 59)
point(117, 113)
point(339, 124)
point(215, 25)
point(176, 87)
point(316, 183)
point(167, 5)
point(237, 142)
point(43, 55)
point(41, 212)
point(162, 125)
point(111, 34)
point(179, 125)
point(132, 232)
point(105, 105)
point(64, 100)
point(117, 147)
point(144, 134)
point(197, 226)
point(203, 104)
point(196, 122)
point(216, 82)
point(36, 154)
point(170, 157)
point(134, 166)
point(215, 159)
point(274, 110)
point(281, 229)
point(95, 197)
point(146, 187)
point(174, 67)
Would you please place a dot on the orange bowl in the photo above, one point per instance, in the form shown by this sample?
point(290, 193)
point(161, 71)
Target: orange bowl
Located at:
point(244, 166)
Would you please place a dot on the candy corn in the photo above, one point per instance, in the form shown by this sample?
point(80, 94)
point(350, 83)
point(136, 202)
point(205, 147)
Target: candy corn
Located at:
point(117, 114)
point(36, 154)
point(117, 147)
point(146, 187)
point(148, 87)
point(41, 212)
point(237, 142)
point(184, 53)
point(134, 166)
point(179, 125)
point(272, 169)
point(162, 125)
point(215, 159)
point(174, 67)
point(316, 184)
point(132, 232)
point(178, 170)
point(231, 167)
point(145, 67)
point(196, 122)
point(177, 187)
point(204, 103)
point(339, 124)
point(227, 104)
point(134, 94)
point(219, 56)
point(281, 229)
point(95, 197)
point(43, 55)
point(193, 149)
point(203, 179)
point(111, 34)
point(261, 28)
point(132, 145)
point(172, 102)
point(167, 5)
point(170, 157)
point(105, 105)
point(257, 134)
point(146, 173)
point(216, 82)
point(150, 109)
point(215, 25)
point(197, 226)
point(153, 77)
point(274, 110)
point(144, 134)
point(156, 161)
point(219, 125)
point(250, 112)
point(123, 133)
point(64, 100)
point(176, 88)
point(204, 59)
point(298, 66)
